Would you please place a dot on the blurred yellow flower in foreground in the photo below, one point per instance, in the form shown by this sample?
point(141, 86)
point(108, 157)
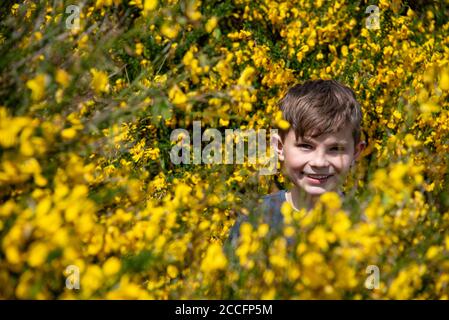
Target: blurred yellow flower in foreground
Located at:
point(170, 31)
point(99, 81)
point(214, 260)
point(37, 86)
point(149, 5)
point(283, 124)
point(68, 133)
point(62, 77)
point(111, 266)
point(38, 254)
point(444, 80)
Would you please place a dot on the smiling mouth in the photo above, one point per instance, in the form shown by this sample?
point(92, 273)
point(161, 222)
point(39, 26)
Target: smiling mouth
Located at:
point(318, 178)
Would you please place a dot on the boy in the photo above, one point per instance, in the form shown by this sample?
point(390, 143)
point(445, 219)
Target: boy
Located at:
point(318, 149)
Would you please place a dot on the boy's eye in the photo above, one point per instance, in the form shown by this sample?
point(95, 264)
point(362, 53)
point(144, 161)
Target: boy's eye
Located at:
point(304, 146)
point(338, 148)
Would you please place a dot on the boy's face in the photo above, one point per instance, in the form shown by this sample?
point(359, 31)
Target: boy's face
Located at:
point(319, 164)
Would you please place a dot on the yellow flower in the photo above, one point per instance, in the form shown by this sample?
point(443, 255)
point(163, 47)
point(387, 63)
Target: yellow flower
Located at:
point(211, 24)
point(12, 254)
point(410, 140)
point(170, 31)
point(101, 3)
point(388, 50)
point(312, 258)
point(177, 97)
point(344, 51)
point(160, 78)
point(397, 114)
point(38, 36)
point(37, 86)
point(263, 229)
point(286, 211)
point(127, 290)
point(139, 48)
point(246, 76)
point(82, 43)
point(99, 81)
point(331, 199)
point(223, 122)
point(444, 80)
point(214, 260)
point(14, 8)
point(62, 77)
point(270, 294)
point(111, 266)
point(283, 124)
point(37, 255)
point(68, 133)
point(192, 11)
point(433, 252)
point(149, 5)
point(319, 237)
point(268, 276)
point(429, 107)
point(92, 279)
point(289, 231)
point(172, 271)
point(407, 281)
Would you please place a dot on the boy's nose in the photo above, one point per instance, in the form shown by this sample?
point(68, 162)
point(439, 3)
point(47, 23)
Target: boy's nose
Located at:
point(319, 160)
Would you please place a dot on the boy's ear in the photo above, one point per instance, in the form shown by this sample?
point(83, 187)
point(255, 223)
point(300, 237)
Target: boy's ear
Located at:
point(358, 149)
point(278, 146)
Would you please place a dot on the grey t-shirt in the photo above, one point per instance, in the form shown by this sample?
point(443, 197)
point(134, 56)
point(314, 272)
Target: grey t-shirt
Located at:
point(270, 209)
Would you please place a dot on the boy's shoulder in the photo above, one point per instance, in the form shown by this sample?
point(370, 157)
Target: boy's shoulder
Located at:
point(273, 201)
point(271, 207)
point(276, 195)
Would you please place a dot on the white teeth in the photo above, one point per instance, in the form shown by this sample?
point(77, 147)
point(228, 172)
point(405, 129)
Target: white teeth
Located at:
point(319, 177)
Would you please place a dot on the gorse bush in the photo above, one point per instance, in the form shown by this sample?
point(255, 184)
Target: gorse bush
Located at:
point(86, 180)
